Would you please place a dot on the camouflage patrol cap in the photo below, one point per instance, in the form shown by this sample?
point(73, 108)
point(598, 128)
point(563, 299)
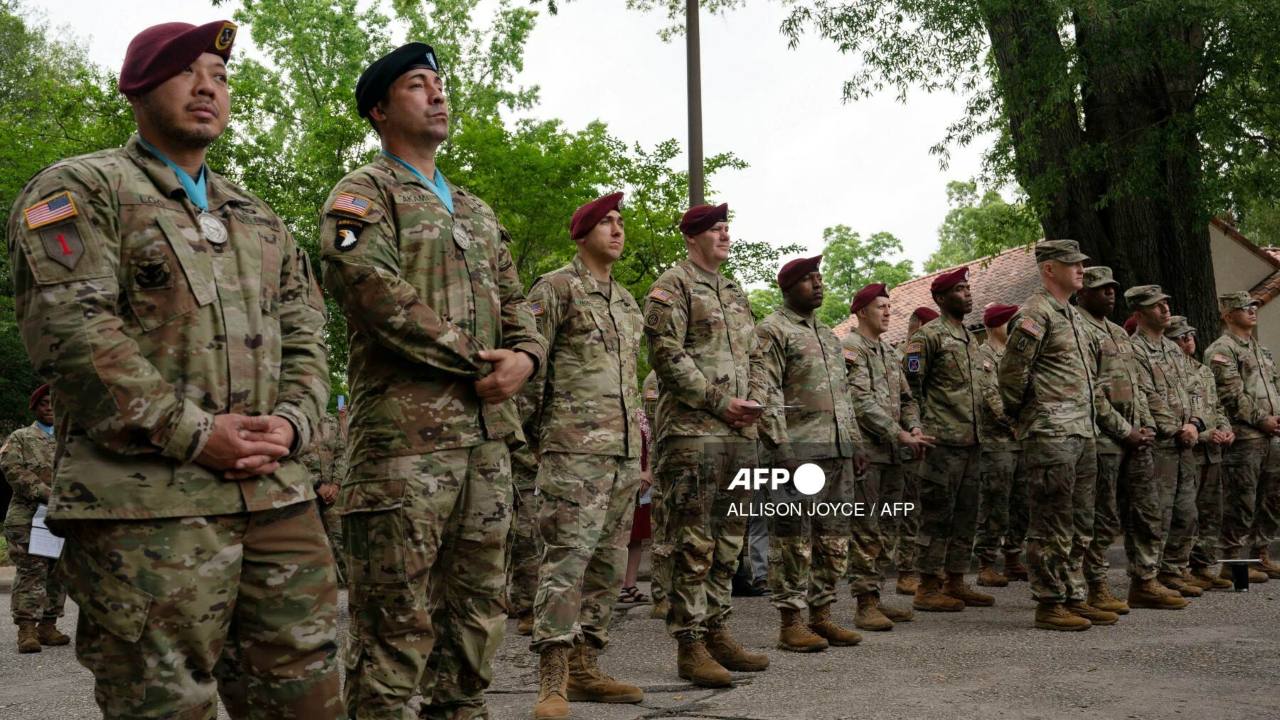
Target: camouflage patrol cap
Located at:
point(1178, 326)
point(1144, 295)
point(1098, 276)
point(1063, 251)
point(1236, 301)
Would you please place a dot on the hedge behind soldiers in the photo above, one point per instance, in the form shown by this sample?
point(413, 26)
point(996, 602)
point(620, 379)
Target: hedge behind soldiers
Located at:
point(941, 362)
point(182, 331)
point(26, 460)
point(1047, 382)
point(585, 406)
point(700, 331)
point(441, 339)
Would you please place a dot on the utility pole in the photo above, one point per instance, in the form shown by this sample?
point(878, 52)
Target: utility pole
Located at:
point(693, 68)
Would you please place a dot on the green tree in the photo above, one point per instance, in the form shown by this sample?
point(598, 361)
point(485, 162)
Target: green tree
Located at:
point(764, 301)
point(979, 227)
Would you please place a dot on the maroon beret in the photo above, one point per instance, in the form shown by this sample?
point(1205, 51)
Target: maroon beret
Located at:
point(586, 217)
point(700, 218)
point(996, 315)
point(162, 51)
point(946, 281)
point(864, 296)
point(39, 393)
point(924, 314)
point(1131, 325)
point(796, 270)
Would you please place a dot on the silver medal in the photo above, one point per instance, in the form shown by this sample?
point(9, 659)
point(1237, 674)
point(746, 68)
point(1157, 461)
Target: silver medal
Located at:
point(461, 236)
point(212, 228)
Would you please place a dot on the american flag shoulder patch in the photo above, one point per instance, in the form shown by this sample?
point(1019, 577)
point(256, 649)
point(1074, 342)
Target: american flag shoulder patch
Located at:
point(351, 204)
point(850, 355)
point(1220, 359)
point(50, 210)
point(536, 307)
point(662, 296)
point(1031, 327)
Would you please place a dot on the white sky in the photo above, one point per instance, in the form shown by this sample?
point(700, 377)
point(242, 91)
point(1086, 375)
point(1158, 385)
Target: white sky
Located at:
point(814, 161)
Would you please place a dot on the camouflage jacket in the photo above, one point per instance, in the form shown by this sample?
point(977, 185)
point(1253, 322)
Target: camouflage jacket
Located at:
point(146, 330)
point(881, 397)
point(1167, 380)
point(797, 363)
point(1124, 405)
point(424, 292)
point(941, 364)
point(326, 459)
point(701, 334)
point(995, 427)
point(26, 459)
point(649, 396)
point(584, 398)
point(1206, 406)
point(1246, 382)
point(1046, 376)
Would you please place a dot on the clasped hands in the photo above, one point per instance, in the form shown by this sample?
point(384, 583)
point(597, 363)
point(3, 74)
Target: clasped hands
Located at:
point(245, 446)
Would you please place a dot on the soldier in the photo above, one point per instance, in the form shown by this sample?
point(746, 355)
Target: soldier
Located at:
point(889, 417)
point(660, 550)
point(585, 403)
point(798, 374)
point(1002, 510)
point(524, 544)
point(700, 332)
point(904, 487)
point(326, 461)
point(941, 362)
point(1125, 435)
point(441, 339)
point(26, 461)
point(1047, 383)
point(1199, 557)
point(181, 330)
point(1167, 376)
point(1245, 373)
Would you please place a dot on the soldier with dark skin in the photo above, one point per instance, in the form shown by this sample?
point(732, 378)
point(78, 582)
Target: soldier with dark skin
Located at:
point(901, 530)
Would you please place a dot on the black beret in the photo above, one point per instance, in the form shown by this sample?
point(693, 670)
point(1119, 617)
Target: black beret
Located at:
point(376, 79)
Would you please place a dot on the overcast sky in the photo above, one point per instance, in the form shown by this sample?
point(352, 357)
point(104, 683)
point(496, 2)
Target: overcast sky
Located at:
point(814, 161)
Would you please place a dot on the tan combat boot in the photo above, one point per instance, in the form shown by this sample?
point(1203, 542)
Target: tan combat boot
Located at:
point(929, 597)
point(988, 576)
point(553, 677)
point(1055, 616)
point(821, 623)
point(730, 653)
point(1100, 597)
point(1203, 578)
point(524, 625)
point(28, 641)
point(588, 683)
point(1271, 569)
point(1095, 616)
point(956, 587)
point(1175, 582)
point(47, 633)
point(1150, 595)
point(897, 615)
point(795, 636)
point(1014, 569)
point(869, 616)
point(659, 611)
point(697, 666)
point(908, 583)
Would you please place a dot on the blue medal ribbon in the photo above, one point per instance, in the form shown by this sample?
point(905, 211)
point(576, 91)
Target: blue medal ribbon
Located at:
point(196, 188)
point(436, 185)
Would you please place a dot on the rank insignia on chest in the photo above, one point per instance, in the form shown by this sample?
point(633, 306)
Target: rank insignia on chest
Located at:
point(152, 274)
point(348, 235)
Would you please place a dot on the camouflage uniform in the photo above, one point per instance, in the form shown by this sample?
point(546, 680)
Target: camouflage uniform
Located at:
point(941, 364)
point(326, 461)
point(26, 460)
point(187, 583)
point(798, 363)
point(1204, 551)
point(1046, 380)
point(427, 502)
point(1245, 374)
point(700, 333)
point(1125, 475)
point(884, 407)
point(660, 551)
point(586, 403)
point(524, 544)
point(1002, 510)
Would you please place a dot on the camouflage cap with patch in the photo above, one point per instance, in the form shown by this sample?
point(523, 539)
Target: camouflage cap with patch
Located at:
point(1064, 251)
point(1098, 276)
point(1144, 295)
point(1236, 301)
point(1178, 326)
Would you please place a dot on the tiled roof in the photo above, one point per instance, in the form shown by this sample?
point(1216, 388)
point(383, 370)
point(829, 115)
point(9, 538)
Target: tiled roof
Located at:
point(1269, 286)
point(1007, 278)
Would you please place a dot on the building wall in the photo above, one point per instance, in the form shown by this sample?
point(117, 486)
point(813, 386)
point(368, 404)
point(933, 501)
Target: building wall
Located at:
point(1235, 268)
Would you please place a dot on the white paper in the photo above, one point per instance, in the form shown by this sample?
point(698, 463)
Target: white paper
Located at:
point(43, 542)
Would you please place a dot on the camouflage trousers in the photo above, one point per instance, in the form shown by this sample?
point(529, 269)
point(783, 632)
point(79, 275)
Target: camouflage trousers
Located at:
point(1206, 553)
point(524, 545)
point(1061, 475)
point(867, 554)
point(1250, 496)
point(1179, 515)
point(37, 593)
point(332, 519)
point(1002, 505)
point(705, 535)
point(949, 509)
point(901, 484)
point(660, 548)
point(426, 549)
point(1138, 497)
point(584, 518)
point(177, 612)
point(807, 553)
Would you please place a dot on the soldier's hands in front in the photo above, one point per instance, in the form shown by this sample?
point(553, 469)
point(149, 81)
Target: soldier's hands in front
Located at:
point(279, 432)
point(328, 492)
point(646, 481)
point(742, 413)
point(1270, 424)
point(1148, 436)
point(860, 464)
point(242, 442)
point(916, 440)
point(1188, 435)
point(510, 371)
point(1136, 438)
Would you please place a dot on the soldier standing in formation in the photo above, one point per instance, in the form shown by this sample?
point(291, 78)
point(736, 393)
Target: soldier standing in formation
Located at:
point(901, 530)
point(326, 462)
point(37, 598)
point(441, 340)
point(181, 329)
point(524, 544)
point(1002, 513)
point(660, 550)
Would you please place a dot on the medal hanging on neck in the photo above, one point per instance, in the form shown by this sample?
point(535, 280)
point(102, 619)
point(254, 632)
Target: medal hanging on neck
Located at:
point(461, 236)
point(212, 228)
